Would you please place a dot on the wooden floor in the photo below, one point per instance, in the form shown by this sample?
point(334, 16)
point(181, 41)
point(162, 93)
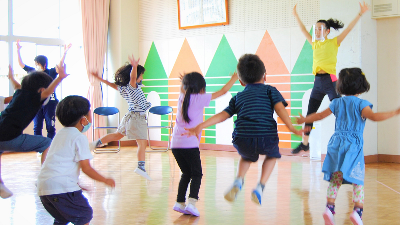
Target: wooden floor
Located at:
point(295, 193)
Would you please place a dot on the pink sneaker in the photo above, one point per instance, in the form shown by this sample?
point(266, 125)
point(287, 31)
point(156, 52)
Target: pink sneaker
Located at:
point(328, 217)
point(355, 218)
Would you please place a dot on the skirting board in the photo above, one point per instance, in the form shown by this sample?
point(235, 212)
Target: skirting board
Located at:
point(284, 151)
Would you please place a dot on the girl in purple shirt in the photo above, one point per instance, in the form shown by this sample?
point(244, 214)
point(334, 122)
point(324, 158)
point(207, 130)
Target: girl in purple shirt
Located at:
point(191, 103)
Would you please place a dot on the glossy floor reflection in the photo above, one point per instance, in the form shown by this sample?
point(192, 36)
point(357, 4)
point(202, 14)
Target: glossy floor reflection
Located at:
point(295, 193)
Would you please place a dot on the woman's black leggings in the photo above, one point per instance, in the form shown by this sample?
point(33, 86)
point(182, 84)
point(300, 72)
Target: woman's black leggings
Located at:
point(323, 85)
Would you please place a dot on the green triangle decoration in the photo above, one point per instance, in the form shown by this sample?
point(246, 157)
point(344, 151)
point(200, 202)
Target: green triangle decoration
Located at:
point(224, 61)
point(305, 60)
point(155, 70)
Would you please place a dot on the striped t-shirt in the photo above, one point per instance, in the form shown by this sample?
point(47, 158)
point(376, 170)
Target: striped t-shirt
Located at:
point(135, 97)
point(254, 107)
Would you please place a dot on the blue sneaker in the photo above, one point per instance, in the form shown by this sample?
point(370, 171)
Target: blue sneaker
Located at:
point(231, 194)
point(256, 195)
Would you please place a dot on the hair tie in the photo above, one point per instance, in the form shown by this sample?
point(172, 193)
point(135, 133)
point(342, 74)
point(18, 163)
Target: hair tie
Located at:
point(362, 73)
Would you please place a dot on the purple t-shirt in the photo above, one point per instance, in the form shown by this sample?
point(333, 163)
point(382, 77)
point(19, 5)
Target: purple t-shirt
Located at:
point(195, 113)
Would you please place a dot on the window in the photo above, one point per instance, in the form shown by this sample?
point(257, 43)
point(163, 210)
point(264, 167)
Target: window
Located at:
point(43, 27)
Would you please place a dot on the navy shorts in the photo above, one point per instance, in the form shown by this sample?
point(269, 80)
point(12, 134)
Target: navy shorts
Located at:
point(323, 85)
point(251, 148)
point(71, 207)
point(26, 143)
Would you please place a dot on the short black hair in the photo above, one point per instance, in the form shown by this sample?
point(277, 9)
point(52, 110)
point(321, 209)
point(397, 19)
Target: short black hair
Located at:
point(42, 60)
point(36, 80)
point(71, 109)
point(123, 74)
point(250, 68)
point(352, 81)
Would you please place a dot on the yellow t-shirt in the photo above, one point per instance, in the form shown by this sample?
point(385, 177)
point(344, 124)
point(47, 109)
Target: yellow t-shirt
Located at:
point(325, 55)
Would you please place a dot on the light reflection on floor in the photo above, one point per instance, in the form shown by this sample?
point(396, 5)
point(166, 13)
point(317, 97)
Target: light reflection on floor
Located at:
point(295, 193)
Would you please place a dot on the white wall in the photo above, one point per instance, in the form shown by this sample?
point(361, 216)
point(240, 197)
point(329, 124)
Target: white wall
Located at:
point(388, 31)
point(123, 40)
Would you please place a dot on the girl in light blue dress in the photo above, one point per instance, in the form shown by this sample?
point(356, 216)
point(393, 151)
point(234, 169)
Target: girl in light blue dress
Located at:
point(344, 162)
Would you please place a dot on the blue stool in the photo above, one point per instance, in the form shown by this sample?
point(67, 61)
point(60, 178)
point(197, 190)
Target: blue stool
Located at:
point(106, 111)
point(161, 110)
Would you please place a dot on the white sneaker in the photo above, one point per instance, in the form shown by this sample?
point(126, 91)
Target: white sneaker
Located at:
point(142, 173)
point(191, 208)
point(4, 192)
point(328, 217)
point(180, 207)
point(355, 218)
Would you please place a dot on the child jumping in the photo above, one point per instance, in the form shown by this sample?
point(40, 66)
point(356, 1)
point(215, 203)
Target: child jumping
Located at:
point(344, 162)
point(191, 103)
point(255, 130)
point(69, 152)
point(47, 112)
point(324, 63)
point(29, 97)
point(128, 81)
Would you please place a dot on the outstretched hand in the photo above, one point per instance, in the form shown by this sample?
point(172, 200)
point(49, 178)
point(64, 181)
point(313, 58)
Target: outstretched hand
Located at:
point(363, 7)
point(67, 47)
point(110, 182)
point(295, 10)
point(61, 70)
point(181, 75)
point(18, 45)
point(132, 61)
point(191, 132)
point(301, 119)
point(235, 76)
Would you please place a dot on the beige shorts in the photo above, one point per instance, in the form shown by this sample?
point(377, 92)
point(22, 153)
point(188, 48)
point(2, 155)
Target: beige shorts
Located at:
point(134, 126)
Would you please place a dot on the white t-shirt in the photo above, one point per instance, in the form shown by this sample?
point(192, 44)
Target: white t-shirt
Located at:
point(60, 170)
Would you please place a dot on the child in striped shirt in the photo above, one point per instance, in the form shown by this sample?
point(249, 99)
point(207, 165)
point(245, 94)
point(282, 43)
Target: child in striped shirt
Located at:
point(128, 80)
point(255, 130)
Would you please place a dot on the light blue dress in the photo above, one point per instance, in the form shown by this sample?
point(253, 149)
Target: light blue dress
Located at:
point(345, 148)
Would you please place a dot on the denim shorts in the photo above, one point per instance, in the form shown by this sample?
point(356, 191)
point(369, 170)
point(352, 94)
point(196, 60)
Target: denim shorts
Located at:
point(68, 207)
point(251, 148)
point(26, 143)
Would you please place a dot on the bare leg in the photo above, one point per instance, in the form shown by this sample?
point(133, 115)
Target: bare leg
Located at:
point(111, 137)
point(243, 167)
point(141, 149)
point(267, 168)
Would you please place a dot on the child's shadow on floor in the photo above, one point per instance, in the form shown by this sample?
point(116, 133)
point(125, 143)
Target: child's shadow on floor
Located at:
point(186, 219)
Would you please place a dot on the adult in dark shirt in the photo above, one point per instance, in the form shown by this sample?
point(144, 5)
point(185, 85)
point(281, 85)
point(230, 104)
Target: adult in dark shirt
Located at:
point(27, 100)
point(47, 112)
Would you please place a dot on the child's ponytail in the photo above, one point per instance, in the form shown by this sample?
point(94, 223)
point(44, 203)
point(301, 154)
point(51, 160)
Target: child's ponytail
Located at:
point(192, 83)
point(185, 105)
point(334, 23)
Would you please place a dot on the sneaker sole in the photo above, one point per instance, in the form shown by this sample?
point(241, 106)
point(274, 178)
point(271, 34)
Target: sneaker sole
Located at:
point(355, 221)
point(142, 173)
point(328, 220)
point(231, 195)
point(192, 213)
point(256, 198)
point(181, 211)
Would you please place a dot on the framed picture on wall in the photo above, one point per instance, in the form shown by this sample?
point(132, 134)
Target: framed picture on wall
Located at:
point(202, 13)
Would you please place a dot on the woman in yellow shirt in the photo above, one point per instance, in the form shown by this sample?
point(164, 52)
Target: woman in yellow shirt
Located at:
point(324, 63)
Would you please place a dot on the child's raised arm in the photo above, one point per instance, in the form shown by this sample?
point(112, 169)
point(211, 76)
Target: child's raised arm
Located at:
point(363, 9)
point(313, 117)
point(226, 87)
point(21, 64)
point(66, 48)
point(218, 118)
point(380, 116)
point(88, 170)
point(52, 87)
point(10, 76)
point(134, 64)
point(301, 25)
point(96, 76)
point(282, 113)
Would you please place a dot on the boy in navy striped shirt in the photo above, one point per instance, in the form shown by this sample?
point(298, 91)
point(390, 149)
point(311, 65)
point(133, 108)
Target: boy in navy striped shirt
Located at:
point(255, 130)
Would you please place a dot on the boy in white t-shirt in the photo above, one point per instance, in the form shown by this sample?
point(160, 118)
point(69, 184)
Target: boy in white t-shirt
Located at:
point(69, 152)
